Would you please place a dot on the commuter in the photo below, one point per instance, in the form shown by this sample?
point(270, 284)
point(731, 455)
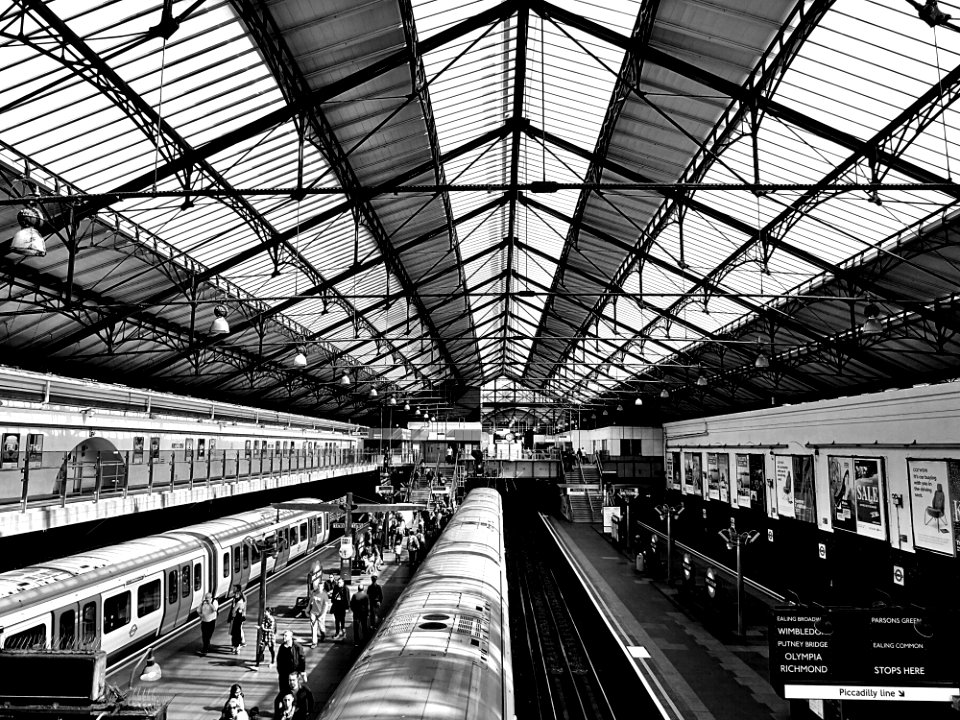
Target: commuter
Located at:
point(375, 593)
point(360, 606)
point(287, 707)
point(208, 621)
point(233, 710)
point(413, 549)
point(449, 455)
point(236, 693)
point(339, 602)
point(319, 605)
point(289, 660)
point(302, 699)
point(267, 639)
point(238, 613)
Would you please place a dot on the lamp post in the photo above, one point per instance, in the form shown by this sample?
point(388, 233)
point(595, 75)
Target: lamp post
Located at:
point(669, 513)
point(736, 540)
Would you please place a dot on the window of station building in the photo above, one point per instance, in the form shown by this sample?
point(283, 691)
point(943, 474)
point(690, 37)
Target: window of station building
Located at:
point(303, 531)
point(197, 577)
point(173, 587)
point(116, 612)
point(236, 560)
point(226, 564)
point(185, 581)
point(148, 598)
point(31, 637)
point(88, 624)
point(246, 556)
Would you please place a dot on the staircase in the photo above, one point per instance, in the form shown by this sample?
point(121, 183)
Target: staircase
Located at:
point(583, 507)
point(590, 473)
point(580, 509)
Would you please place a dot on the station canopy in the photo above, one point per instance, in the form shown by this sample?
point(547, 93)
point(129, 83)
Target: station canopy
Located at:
point(618, 212)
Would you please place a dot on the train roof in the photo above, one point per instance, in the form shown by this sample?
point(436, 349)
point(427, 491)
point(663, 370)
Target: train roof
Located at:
point(232, 526)
point(71, 574)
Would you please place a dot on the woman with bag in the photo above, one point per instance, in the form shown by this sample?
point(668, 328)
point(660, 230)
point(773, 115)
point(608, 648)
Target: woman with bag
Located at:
point(238, 613)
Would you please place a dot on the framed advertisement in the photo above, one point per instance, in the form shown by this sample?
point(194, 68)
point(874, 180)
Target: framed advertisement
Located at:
point(743, 480)
point(935, 504)
point(201, 448)
point(247, 448)
point(842, 499)
point(804, 489)
point(10, 450)
point(188, 449)
point(689, 486)
point(758, 483)
point(783, 486)
point(871, 508)
point(35, 450)
point(713, 477)
point(154, 448)
point(137, 450)
point(723, 467)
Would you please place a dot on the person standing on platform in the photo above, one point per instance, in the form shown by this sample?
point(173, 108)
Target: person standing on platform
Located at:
point(413, 548)
point(449, 455)
point(375, 593)
point(580, 456)
point(360, 606)
point(290, 660)
point(287, 707)
point(267, 638)
point(339, 602)
point(238, 613)
point(303, 702)
point(208, 621)
point(319, 605)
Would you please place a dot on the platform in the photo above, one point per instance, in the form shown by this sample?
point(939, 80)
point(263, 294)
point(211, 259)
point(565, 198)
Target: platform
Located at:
point(197, 686)
point(700, 676)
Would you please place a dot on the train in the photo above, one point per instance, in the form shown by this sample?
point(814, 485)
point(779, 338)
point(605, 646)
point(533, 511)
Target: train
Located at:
point(122, 598)
point(444, 650)
point(69, 437)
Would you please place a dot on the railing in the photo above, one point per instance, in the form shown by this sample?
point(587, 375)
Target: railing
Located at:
point(50, 478)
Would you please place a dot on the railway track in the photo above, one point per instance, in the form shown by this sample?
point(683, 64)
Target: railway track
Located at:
point(555, 676)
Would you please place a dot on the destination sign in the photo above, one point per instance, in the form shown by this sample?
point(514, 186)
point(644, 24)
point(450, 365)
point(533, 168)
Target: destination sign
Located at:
point(866, 653)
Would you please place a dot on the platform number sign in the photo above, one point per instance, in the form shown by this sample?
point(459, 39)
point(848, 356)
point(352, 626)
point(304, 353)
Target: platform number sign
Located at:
point(822, 551)
point(898, 575)
point(769, 534)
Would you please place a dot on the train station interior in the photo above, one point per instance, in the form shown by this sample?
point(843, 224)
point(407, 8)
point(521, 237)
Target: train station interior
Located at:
point(676, 277)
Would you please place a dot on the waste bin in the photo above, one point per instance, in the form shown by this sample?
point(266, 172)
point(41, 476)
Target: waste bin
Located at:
point(640, 562)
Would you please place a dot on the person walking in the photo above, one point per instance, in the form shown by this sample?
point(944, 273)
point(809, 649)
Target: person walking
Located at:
point(267, 638)
point(238, 613)
point(375, 593)
point(319, 606)
point(302, 705)
point(208, 621)
point(289, 660)
point(360, 606)
point(339, 603)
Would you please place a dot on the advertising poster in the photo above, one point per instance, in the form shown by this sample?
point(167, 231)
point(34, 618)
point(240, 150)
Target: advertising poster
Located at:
point(931, 503)
point(758, 483)
point(188, 451)
point(35, 449)
point(675, 480)
point(154, 448)
point(743, 481)
point(723, 464)
point(699, 476)
point(783, 495)
point(688, 483)
point(138, 450)
point(842, 502)
point(869, 496)
point(10, 450)
point(247, 445)
point(804, 489)
point(713, 477)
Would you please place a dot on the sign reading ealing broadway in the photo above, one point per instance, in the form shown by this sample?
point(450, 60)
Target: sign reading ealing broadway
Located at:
point(864, 654)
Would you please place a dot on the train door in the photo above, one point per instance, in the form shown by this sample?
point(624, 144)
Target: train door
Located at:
point(244, 565)
point(171, 601)
point(235, 568)
point(186, 593)
point(312, 530)
point(65, 627)
point(90, 623)
point(283, 549)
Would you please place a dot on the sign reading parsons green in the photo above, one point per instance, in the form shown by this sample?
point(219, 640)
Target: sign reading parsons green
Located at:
point(863, 654)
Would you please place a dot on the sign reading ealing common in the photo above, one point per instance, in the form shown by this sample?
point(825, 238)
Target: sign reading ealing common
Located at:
point(863, 654)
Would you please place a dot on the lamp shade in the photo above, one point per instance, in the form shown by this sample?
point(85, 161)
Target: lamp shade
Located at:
point(27, 240)
point(219, 326)
point(664, 394)
point(300, 359)
point(373, 392)
point(872, 326)
point(393, 400)
point(702, 380)
point(638, 401)
point(762, 362)
point(345, 378)
point(406, 406)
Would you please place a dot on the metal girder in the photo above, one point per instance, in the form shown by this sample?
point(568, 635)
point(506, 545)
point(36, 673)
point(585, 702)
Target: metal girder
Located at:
point(766, 312)
point(516, 117)
point(627, 77)
point(273, 47)
point(422, 89)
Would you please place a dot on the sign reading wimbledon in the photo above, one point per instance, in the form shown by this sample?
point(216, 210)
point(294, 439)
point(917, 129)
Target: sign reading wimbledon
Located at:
point(863, 654)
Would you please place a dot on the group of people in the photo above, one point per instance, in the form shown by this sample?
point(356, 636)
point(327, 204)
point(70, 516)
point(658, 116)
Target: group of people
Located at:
point(333, 596)
point(294, 701)
point(209, 608)
point(571, 458)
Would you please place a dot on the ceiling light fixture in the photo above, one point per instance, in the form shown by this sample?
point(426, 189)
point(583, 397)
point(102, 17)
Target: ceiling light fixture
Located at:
point(28, 241)
point(219, 326)
point(664, 394)
point(300, 359)
point(872, 326)
point(345, 378)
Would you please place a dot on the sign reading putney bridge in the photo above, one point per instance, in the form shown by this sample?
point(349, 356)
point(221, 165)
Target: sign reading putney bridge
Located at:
point(863, 654)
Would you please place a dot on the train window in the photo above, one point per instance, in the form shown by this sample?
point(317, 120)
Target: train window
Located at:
point(154, 448)
point(116, 612)
point(286, 447)
point(67, 633)
point(185, 581)
point(88, 623)
point(197, 577)
point(226, 564)
point(31, 637)
point(293, 535)
point(255, 551)
point(173, 587)
point(246, 556)
point(148, 598)
point(276, 448)
point(303, 532)
point(236, 560)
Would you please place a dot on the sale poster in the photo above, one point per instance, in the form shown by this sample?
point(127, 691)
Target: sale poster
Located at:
point(871, 520)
